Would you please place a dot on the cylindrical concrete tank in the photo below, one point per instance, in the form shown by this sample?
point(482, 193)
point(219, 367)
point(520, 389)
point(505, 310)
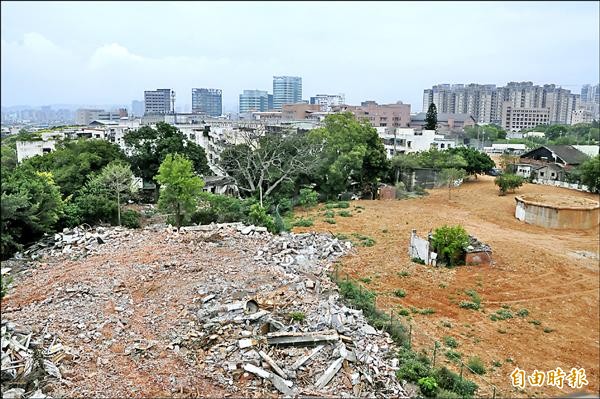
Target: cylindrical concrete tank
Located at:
point(557, 211)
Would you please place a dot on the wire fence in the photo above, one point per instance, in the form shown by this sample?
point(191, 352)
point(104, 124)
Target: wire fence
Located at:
point(417, 340)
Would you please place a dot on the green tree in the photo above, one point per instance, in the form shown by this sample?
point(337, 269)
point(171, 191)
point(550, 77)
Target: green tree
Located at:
point(589, 172)
point(402, 163)
point(450, 242)
point(450, 177)
point(9, 158)
point(353, 154)
point(477, 161)
point(508, 182)
point(431, 118)
point(74, 162)
point(181, 188)
point(149, 148)
point(31, 205)
point(118, 180)
point(308, 198)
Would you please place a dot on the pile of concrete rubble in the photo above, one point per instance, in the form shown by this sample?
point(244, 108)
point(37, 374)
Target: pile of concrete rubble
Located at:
point(258, 312)
point(29, 360)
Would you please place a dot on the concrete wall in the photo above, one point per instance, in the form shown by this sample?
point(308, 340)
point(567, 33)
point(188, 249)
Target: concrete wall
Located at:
point(555, 217)
point(419, 248)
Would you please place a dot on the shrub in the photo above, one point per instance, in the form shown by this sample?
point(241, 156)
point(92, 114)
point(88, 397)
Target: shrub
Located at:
point(308, 198)
point(346, 196)
point(303, 222)
point(469, 305)
point(501, 314)
point(523, 313)
point(404, 273)
point(548, 330)
point(496, 363)
point(329, 214)
point(5, 281)
point(453, 355)
point(508, 182)
point(428, 386)
point(330, 221)
point(364, 241)
point(535, 322)
point(258, 216)
point(366, 280)
point(413, 366)
point(450, 243)
point(345, 214)
point(445, 394)
point(400, 293)
point(451, 381)
point(476, 365)
point(418, 260)
point(343, 204)
point(404, 312)
point(297, 316)
point(130, 219)
point(450, 342)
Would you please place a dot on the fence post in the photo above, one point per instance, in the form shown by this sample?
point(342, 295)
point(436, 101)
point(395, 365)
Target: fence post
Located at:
point(461, 369)
point(346, 277)
point(410, 336)
point(434, 352)
point(494, 392)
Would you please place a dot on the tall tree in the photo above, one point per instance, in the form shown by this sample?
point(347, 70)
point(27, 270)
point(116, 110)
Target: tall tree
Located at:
point(402, 163)
point(31, 205)
point(590, 173)
point(118, 179)
point(260, 164)
point(431, 117)
point(149, 148)
point(181, 188)
point(477, 161)
point(353, 153)
point(75, 161)
point(451, 178)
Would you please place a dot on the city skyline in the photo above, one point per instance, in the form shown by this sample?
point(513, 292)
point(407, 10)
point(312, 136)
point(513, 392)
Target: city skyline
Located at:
point(51, 57)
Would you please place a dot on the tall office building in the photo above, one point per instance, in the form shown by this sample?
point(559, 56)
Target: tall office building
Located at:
point(207, 101)
point(486, 102)
point(254, 101)
point(137, 108)
point(286, 90)
point(590, 94)
point(157, 102)
point(326, 101)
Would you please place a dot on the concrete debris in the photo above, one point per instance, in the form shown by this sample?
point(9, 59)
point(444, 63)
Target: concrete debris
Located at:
point(29, 359)
point(256, 312)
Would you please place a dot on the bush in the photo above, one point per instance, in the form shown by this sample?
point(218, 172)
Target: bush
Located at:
point(535, 322)
point(508, 182)
point(451, 381)
point(450, 342)
point(297, 316)
point(453, 355)
point(364, 241)
point(476, 365)
point(303, 222)
point(501, 314)
point(400, 293)
point(346, 196)
point(450, 243)
point(404, 312)
point(343, 204)
point(259, 217)
point(344, 214)
point(418, 260)
point(4, 283)
point(428, 386)
point(308, 198)
point(130, 219)
point(330, 221)
point(413, 366)
point(329, 214)
point(404, 273)
point(469, 305)
point(523, 313)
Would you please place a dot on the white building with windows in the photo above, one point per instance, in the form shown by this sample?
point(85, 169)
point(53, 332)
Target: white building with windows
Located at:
point(407, 140)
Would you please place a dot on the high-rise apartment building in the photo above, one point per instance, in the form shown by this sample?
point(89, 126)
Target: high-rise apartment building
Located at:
point(515, 119)
point(207, 101)
point(286, 90)
point(486, 102)
point(326, 101)
point(157, 102)
point(255, 101)
point(590, 94)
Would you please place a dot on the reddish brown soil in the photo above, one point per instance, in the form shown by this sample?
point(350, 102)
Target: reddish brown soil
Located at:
point(534, 268)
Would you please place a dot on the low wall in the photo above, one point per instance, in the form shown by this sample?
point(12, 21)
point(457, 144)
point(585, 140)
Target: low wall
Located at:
point(580, 216)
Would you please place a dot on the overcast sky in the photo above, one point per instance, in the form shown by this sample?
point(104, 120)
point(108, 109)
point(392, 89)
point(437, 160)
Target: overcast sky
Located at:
point(110, 52)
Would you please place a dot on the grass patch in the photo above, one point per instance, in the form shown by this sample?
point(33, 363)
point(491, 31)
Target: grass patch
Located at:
point(418, 260)
point(303, 222)
point(400, 293)
point(404, 312)
point(443, 285)
point(450, 342)
point(523, 313)
point(453, 355)
point(340, 205)
point(329, 214)
point(345, 214)
point(497, 363)
point(469, 305)
point(501, 314)
point(341, 236)
point(476, 365)
point(403, 273)
point(297, 316)
point(329, 220)
point(422, 311)
point(366, 280)
point(535, 322)
point(363, 241)
point(548, 330)
point(446, 324)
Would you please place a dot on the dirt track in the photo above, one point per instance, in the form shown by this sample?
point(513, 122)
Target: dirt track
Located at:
point(553, 274)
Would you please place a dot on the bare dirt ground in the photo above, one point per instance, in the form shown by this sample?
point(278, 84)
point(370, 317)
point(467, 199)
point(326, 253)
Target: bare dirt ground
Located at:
point(554, 274)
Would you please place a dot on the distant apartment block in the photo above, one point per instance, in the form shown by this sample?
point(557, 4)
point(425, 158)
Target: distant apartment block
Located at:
point(254, 101)
point(157, 102)
point(137, 108)
point(85, 116)
point(582, 115)
point(590, 94)
point(385, 115)
point(207, 101)
point(446, 122)
point(326, 101)
point(485, 102)
point(286, 90)
point(515, 119)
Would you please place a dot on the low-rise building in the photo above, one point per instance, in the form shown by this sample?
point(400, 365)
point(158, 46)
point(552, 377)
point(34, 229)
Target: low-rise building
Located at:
point(582, 115)
point(408, 140)
point(385, 115)
point(446, 121)
point(515, 119)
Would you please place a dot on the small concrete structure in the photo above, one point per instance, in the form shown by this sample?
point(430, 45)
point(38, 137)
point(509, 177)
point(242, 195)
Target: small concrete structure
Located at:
point(557, 211)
